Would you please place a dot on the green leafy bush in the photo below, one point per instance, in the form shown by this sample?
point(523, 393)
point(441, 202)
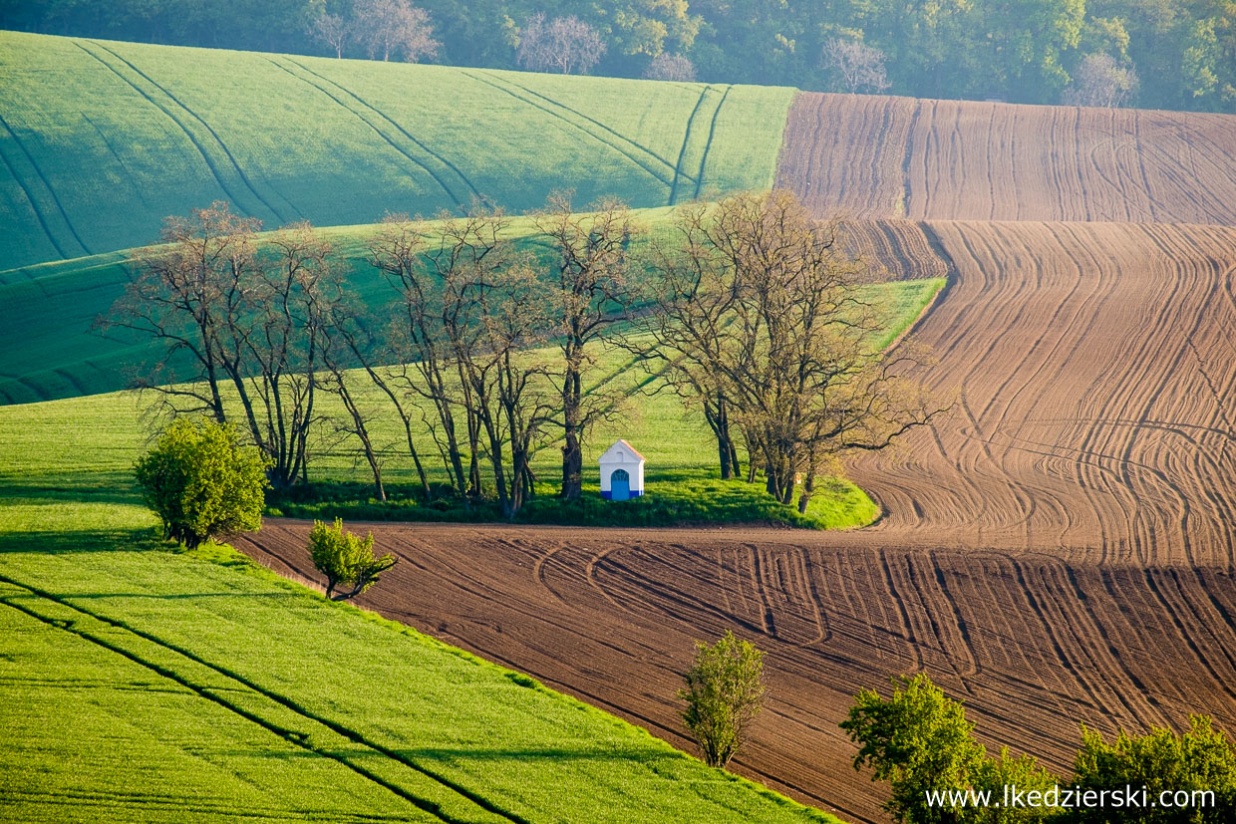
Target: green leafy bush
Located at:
point(1189, 777)
point(203, 482)
point(918, 740)
point(724, 693)
point(345, 558)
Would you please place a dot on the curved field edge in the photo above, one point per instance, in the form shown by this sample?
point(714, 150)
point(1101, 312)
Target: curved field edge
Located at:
point(99, 140)
point(151, 683)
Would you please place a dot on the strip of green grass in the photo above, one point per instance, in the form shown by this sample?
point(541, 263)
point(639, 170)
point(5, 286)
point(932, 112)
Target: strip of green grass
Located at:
point(101, 140)
point(147, 685)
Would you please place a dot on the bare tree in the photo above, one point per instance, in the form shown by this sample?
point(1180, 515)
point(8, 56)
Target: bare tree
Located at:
point(761, 310)
point(858, 67)
point(249, 316)
point(359, 343)
point(278, 344)
point(494, 307)
point(666, 66)
point(1102, 81)
point(348, 343)
point(417, 343)
point(394, 27)
point(185, 294)
point(563, 44)
point(590, 295)
point(332, 30)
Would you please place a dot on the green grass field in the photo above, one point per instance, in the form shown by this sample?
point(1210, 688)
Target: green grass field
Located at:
point(142, 684)
point(99, 141)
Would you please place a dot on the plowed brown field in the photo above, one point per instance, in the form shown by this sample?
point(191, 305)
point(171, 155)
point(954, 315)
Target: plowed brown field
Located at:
point(961, 160)
point(1060, 549)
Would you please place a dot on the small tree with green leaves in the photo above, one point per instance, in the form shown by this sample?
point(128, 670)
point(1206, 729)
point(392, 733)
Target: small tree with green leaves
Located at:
point(345, 558)
point(918, 740)
point(724, 693)
point(1198, 766)
point(203, 482)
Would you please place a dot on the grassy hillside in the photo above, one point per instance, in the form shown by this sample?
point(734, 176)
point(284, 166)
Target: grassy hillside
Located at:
point(49, 335)
point(153, 685)
point(99, 141)
point(48, 312)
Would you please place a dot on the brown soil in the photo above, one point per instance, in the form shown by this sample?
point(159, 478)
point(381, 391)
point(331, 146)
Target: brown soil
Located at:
point(1060, 549)
point(960, 160)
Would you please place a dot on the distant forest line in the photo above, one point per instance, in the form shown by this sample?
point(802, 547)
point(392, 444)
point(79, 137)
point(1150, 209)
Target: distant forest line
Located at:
point(1169, 54)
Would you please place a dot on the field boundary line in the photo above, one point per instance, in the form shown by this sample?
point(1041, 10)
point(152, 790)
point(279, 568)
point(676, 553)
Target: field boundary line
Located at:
point(30, 195)
point(563, 118)
point(419, 144)
point(299, 739)
point(210, 162)
point(712, 131)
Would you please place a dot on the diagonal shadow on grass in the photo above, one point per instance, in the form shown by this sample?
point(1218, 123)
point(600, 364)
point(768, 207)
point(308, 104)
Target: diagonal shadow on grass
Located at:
point(463, 754)
point(81, 487)
point(54, 542)
point(457, 755)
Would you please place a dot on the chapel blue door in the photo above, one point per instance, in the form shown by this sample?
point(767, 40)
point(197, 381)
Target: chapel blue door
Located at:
point(620, 485)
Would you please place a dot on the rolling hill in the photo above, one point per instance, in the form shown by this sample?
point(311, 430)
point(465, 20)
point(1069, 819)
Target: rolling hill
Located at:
point(99, 141)
point(1059, 550)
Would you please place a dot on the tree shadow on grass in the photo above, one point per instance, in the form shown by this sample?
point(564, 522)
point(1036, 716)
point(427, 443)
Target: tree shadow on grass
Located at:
point(427, 756)
point(58, 542)
point(53, 493)
point(449, 755)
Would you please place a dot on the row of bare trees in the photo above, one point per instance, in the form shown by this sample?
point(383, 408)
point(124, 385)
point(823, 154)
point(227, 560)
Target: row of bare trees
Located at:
point(456, 350)
point(487, 349)
point(253, 321)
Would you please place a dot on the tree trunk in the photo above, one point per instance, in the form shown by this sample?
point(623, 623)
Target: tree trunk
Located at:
point(804, 497)
point(572, 448)
point(718, 417)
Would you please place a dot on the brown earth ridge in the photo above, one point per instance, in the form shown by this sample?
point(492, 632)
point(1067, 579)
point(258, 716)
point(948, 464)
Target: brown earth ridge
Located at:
point(1058, 550)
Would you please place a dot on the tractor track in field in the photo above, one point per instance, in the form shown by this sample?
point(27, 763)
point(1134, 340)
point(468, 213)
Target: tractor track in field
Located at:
point(34, 203)
point(712, 133)
point(531, 97)
point(459, 201)
point(686, 143)
point(319, 728)
point(198, 143)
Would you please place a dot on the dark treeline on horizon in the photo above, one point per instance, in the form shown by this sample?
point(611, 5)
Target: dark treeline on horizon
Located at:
point(1170, 54)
